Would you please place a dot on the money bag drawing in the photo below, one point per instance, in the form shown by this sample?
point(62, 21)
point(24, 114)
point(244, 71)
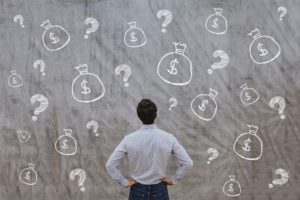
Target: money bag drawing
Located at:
point(87, 87)
point(28, 175)
point(248, 145)
point(23, 135)
point(66, 144)
point(263, 49)
point(134, 37)
point(205, 106)
point(54, 37)
point(231, 187)
point(175, 67)
point(248, 95)
point(216, 23)
point(15, 80)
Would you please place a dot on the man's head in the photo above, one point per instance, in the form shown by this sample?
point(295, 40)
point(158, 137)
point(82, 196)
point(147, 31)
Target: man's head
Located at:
point(146, 110)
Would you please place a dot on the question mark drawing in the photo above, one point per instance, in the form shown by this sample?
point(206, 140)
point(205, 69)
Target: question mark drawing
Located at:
point(93, 28)
point(127, 72)
point(82, 176)
point(223, 63)
point(283, 11)
point(19, 19)
point(281, 105)
point(168, 18)
point(95, 125)
point(173, 101)
point(214, 155)
point(283, 179)
point(42, 107)
point(42, 65)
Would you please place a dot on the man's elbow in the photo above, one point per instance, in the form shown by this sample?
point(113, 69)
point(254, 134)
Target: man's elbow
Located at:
point(190, 164)
point(108, 166)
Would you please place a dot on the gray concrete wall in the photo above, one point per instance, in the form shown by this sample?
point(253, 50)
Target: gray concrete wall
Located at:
point(115, 113)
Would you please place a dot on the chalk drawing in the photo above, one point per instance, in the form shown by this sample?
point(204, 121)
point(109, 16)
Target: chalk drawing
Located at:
point(66, 144)
point(283, 11)
point(168, 18)
point(54, 37)
point(28, 175)
point(87, 87)
point(263, 49)
point(40, 63)
point(231, 187)
point(173, 103)
point(284, 177)
point(42, 107)
point(20, 20)
point(134, 37)
point(248, 145)
point(216, 23)
point(94, 26)
point(248, 95)
point(281, 105)
point(15, 80)
point(127, 72)
point(175, 67)
point(95, 126)
point(214, 154)
point(205, 106)
point(82, 177)
point(222, 63)
point(23, 135)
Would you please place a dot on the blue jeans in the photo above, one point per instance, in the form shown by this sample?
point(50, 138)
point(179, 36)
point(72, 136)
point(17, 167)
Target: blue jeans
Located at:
point(149, 192)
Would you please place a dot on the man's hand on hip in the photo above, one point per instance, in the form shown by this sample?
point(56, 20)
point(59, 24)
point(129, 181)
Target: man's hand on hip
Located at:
point(131, 182)
point(167, 180)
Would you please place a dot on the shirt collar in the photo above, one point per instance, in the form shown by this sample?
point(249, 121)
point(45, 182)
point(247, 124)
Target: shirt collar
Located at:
point(150, 126)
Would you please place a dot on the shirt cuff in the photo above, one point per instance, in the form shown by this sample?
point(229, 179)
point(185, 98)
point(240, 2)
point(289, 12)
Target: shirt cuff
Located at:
point(124, 183)
point(174, 180)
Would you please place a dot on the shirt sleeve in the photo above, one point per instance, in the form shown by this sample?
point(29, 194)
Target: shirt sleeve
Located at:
point(113, 163)
point(185, 162)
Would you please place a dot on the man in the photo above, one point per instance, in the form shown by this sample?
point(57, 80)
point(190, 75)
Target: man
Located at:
point(148, 150)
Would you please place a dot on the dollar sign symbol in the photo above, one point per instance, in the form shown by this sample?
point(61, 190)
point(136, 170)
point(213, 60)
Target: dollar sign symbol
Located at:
point(64, 146)
point(248, 96)
point(54, 39)
point(230, 189)
point(173, 69)
point(23, 136)
point(246, 143)
point(14, 80)
point(215, 21)
point(203, 105)
point(86, 90)
point(27, 175)
point(133, 38)
point(263, 51)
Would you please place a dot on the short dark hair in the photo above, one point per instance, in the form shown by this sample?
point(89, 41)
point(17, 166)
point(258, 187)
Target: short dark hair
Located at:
point(146, 110)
